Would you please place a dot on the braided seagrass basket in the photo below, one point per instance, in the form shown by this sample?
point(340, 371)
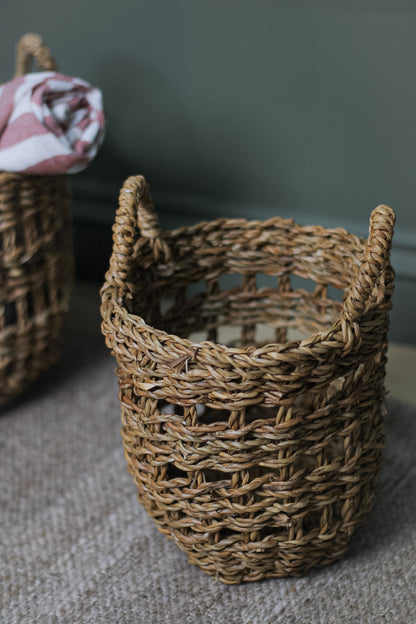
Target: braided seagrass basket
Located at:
point(36, 260)
point(258, 458)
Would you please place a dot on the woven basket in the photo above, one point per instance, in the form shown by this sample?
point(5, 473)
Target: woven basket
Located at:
point(36, 260)
point(259, 459)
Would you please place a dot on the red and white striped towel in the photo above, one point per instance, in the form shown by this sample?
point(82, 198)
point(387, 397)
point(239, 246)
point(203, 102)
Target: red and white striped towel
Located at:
point(49, 124)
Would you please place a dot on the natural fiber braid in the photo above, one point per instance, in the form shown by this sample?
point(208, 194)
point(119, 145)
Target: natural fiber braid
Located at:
point(31, 47)
point(260, 459)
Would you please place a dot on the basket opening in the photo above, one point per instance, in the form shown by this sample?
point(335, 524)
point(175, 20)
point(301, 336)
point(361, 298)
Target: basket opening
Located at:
point(268, 532)
point(207, 416)
point(40, 223)
point(311, 522)
point(304, 463)
point(270, 283)
point(9, 315)
point(49, 294)
point(227, 535)
point(335, 294)
point(266, 281)
point(300, 283)
point(30, 304)
point(9, 371)
point(238, 310)
point(214, 476)
point(26, 306)
point(193, 290)
point(173, 472)
point(236, 419)
point(170, 408)
point(18, 234)
point(335, 449)
point(230, 281)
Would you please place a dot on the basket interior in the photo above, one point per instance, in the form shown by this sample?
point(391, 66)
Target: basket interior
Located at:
point(242, 284)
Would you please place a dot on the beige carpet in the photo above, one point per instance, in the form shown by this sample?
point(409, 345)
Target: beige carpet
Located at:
point(76, 547)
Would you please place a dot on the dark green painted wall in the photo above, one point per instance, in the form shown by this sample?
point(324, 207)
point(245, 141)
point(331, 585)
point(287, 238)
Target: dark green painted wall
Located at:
point(252, 108)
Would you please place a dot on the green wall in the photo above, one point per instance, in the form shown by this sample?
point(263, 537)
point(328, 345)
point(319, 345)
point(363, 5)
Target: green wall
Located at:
point(244, 108)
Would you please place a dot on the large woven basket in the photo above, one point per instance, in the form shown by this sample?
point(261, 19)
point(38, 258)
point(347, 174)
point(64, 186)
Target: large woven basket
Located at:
point(36, 260)
point(258, 457)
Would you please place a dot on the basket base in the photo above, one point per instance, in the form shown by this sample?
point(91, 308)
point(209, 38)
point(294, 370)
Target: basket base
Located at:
point(246, 498)
point(236, 560)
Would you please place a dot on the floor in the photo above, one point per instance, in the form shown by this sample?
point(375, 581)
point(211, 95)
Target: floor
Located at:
point(78, 547)
point(401, 372)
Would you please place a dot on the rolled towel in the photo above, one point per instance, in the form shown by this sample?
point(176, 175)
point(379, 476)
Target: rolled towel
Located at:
point(49, 124)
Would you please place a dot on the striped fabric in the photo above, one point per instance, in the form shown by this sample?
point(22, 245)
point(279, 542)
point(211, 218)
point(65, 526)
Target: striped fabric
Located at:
point(49, 124)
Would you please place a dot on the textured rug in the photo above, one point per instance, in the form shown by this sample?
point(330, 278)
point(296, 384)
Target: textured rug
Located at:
point(77, 548)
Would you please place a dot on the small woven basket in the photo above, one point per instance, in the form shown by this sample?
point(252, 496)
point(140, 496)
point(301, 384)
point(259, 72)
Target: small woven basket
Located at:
point(258, 457)
point(36, 260)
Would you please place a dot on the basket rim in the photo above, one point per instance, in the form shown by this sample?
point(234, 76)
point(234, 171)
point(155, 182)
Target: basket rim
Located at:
point(238, 221)
point(136, 222)
point(251, 350)
point(186, 346)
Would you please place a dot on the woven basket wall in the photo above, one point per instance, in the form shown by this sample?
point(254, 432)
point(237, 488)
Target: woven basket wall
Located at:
point(258, 457)
point(36, 261)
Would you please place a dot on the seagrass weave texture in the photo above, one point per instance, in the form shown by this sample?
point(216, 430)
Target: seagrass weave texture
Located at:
point(258, 457)
point(36, 260)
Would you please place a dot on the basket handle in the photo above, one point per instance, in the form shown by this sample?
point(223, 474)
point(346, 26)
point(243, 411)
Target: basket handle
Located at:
point(31, 48)
point(375, 261)
point(135, 211)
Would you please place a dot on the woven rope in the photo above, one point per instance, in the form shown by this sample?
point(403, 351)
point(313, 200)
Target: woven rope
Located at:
point(258, 459)
point(31, 48)
point(36, 260)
